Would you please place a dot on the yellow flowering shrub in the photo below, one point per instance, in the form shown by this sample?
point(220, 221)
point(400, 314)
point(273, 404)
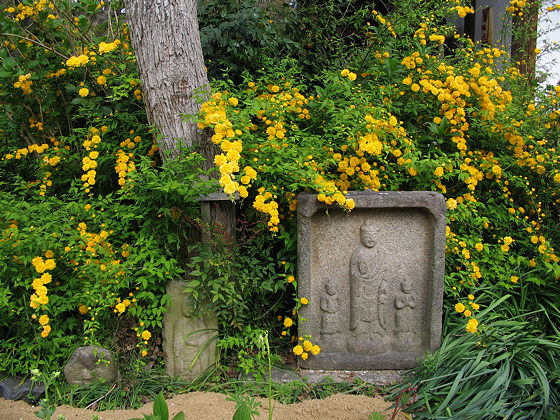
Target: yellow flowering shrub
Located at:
point(76, 229)
point(405, 117)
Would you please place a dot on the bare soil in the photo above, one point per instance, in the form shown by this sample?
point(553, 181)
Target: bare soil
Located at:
point(213, 406)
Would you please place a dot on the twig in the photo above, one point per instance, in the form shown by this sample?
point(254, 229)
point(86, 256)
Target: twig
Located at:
point(36, 42)
point(100, 398)
point(396, 410)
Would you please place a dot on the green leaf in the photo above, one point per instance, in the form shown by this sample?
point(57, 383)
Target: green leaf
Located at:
point(9, 63)
point(160, 407)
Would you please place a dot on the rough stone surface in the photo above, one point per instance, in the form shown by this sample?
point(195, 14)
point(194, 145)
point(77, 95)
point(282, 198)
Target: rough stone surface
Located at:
point(90, 364)
point(187, 336)
point(375, 377)
point(373, 277)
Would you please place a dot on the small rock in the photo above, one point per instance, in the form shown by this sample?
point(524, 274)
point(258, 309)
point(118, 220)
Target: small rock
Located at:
point(90, 364)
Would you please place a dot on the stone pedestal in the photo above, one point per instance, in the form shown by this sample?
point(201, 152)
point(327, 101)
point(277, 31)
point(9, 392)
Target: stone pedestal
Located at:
point(188, 337)
point(374, 278)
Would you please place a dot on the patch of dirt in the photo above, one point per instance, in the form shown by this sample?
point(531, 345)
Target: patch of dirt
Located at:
point(213, 406)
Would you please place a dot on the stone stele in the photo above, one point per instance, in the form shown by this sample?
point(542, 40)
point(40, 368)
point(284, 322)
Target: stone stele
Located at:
point(187, 335)
point(374, 278)
point(90, 364)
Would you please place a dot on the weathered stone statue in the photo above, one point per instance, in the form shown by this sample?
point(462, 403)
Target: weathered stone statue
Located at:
point(404, 315)
point(368, 294)
point(187, 336)
point(331, 338)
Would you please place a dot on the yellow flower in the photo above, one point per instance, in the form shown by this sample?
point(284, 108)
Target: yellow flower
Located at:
point(291, 279)
point(451, 203)
point(438, 171)
point(43, 319)
point(304, 301)
point(101, 80)
point(514, 279)
point(106, 47)
point(144, 353)
point(315, 350)
point(508, 240)
point(344, 72)
point(472, 325)
point(46, 278)
point(304, 356)
point(352, 77)
point(307, 345)
point(50, 264)
point(298, 350)
point(83, 92)
point(83, 309)
point(475, 306)
point(479, 246)
point(471, 297)
point(288, 322)
point(146, 335)
point(459, 307)
point(49, 254)
point(467, 313)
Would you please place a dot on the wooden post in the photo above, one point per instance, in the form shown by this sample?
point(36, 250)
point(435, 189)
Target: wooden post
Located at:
point(217, 212)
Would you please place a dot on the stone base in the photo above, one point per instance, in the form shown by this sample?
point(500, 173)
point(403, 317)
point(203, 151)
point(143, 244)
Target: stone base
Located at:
point(374, 377)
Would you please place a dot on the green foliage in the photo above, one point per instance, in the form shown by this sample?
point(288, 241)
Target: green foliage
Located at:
point(231, 279)
point(161, 412)
point(329, 97)
point(246, 407)
point(92, 225)
point(405, 116)
point(239, 36)
point(510, 369)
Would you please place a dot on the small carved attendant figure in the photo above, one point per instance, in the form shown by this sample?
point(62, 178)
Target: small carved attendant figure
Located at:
point(367, 294)
point(404, 315)
point(190, 334)
point(331, 340)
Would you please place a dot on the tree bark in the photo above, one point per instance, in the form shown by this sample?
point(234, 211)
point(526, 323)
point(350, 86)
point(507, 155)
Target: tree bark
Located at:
point(166, 40)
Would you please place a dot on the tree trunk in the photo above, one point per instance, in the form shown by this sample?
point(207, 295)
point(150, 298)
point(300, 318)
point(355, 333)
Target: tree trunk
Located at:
point(166, 40)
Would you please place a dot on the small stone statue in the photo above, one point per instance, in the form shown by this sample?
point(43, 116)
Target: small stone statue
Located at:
point(331, 339)
point(404, 315)
point(329, 308)
point(185, 334)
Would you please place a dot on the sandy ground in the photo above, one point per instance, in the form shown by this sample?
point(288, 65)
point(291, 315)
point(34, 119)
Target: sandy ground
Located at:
point(212, 406)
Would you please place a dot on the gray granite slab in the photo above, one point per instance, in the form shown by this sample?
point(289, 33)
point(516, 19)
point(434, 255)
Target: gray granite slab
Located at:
point(374, 279)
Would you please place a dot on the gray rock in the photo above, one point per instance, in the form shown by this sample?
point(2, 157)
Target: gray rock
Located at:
point(187, 336)
point(374, 279)
point(90, 364)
